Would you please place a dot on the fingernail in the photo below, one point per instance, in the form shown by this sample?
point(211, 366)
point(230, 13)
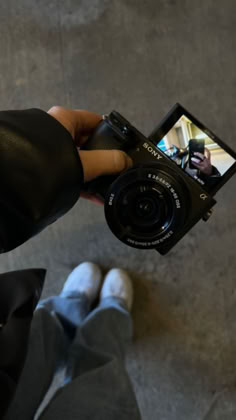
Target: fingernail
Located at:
point(129, 162)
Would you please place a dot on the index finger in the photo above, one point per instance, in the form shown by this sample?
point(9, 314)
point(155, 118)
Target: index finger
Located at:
point(199, 155)
point(85, 121)
point(208, 154)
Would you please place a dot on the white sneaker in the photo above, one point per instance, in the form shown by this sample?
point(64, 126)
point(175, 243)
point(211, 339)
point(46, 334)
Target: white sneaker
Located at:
point(86, 278)
point(118, 284)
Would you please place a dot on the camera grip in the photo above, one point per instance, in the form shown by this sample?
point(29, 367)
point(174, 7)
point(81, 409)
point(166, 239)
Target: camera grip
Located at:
point(103, 138)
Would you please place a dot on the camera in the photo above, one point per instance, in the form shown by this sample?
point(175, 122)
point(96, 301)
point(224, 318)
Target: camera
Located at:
point(156, 202)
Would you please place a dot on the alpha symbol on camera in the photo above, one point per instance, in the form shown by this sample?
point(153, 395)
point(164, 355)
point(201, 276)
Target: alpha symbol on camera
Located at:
point(203, 196)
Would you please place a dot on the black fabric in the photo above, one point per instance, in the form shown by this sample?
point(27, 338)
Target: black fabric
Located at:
point(40, 179)
point(19, 294)
point(40, 174)
point(210, 180)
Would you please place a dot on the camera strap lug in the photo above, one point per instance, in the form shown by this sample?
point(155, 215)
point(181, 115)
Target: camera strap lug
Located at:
point(207, 215)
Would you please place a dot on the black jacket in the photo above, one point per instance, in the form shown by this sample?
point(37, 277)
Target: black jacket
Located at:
point(40, 180)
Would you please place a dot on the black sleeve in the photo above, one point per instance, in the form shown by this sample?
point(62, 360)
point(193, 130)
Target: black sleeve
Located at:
point(210, 180)
point(19, 296)
point(215, 172)
point(40, 174)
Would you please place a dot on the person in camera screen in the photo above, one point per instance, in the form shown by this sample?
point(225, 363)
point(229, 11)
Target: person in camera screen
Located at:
point(205, 171)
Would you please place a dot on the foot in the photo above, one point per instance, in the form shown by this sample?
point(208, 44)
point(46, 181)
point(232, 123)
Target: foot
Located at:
point(85, 279)
point(118, 284)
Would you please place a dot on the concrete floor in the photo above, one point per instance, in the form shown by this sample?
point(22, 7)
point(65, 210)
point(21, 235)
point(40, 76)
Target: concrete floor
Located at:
point(140, 57)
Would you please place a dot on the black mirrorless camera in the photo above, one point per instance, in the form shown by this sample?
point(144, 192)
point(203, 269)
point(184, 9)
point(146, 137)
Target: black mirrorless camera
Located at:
point(168, 190)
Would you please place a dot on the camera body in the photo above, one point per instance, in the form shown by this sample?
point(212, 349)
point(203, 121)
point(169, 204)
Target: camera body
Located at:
point(153, 204)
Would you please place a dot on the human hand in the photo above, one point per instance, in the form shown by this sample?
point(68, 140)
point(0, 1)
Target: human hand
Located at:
point(80, 124)
point(204, 163)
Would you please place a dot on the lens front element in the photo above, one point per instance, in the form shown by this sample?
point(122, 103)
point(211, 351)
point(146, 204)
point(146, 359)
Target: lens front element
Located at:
point(144, 207)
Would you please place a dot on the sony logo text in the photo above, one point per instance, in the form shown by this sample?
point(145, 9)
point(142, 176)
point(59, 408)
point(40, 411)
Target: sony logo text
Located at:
point(152, 151)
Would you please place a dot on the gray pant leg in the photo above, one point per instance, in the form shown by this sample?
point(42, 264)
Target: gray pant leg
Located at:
point(97, 384)
point(52, 329)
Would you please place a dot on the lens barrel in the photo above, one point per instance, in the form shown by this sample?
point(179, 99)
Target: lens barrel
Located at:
point(145, 206)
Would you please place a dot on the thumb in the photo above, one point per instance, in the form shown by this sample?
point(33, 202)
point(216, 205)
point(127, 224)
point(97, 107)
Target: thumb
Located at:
point(103, 162)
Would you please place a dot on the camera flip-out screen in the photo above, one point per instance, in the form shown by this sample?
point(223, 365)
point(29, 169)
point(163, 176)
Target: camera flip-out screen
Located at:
point(195, 149)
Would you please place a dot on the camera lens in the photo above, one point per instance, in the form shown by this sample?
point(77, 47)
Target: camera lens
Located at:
point(143, 206)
